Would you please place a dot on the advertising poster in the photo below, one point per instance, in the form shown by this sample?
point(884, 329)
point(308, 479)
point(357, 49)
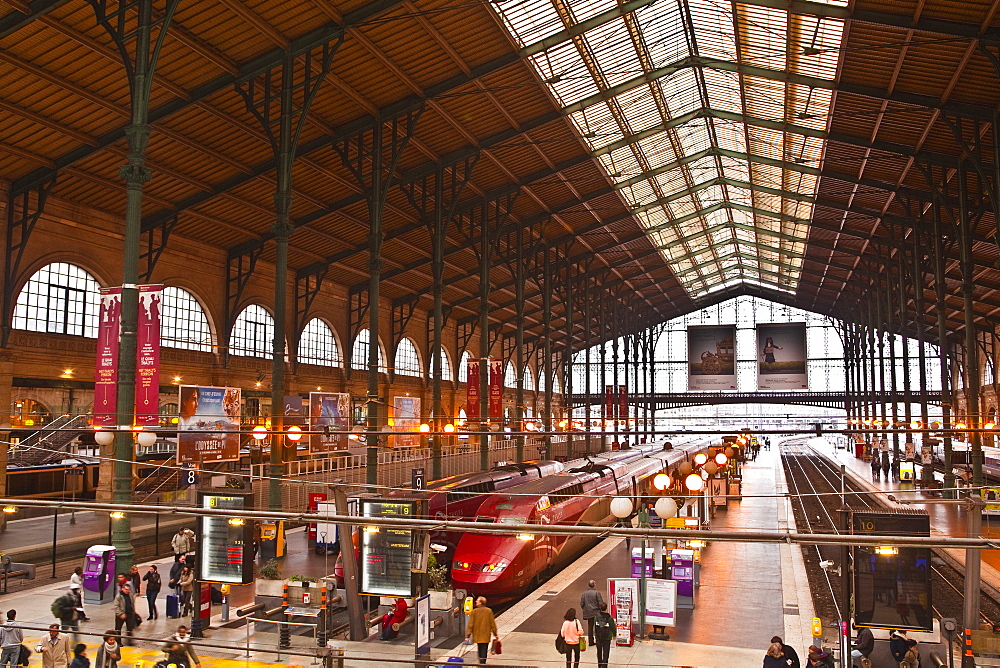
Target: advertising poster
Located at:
point(496, 390)
point(329, 420)
point(712, 357)
point(106, 376)
point(472, 391)
point(991, 499)
point(208, 428)
point(609, 402)
point(406, 417)
point(661, 602)
point(624, 596)
point(781, 357)
point(147, 362)
point(423, 639)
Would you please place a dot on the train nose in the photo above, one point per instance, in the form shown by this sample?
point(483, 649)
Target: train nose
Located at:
point(482, 560)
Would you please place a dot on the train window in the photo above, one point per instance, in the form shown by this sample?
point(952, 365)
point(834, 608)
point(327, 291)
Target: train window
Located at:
point(505, 506)
point(486, 520)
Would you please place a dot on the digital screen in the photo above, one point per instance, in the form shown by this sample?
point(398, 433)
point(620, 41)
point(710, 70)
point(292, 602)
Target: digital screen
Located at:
point(387, 554)
point(225, 551)
point(892, 586)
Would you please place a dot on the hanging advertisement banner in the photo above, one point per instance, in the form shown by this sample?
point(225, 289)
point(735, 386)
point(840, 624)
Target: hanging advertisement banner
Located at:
point(329, 420)
point(472, 391)
point(106, 376)
point(781, 357)
point(147, 357)
point(609, 402)
point(208, 427)
point(712, 357)
point(623, 404)
point(496, 390)
point(406, 417)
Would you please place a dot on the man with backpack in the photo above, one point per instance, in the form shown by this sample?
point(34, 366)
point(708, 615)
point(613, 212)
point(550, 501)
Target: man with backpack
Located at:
point(604, 633)
point(64, 608)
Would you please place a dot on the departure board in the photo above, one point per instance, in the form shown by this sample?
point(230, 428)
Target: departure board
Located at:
point(225, 545)
point(387, 554)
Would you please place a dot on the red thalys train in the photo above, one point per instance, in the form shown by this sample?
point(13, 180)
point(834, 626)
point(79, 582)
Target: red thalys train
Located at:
point(503, 567)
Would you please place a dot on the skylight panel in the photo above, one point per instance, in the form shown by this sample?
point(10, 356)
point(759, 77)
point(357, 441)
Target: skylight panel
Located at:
point(694, 136)
point(584, 9)
point(714, 31)
point(529, 21)
point(597, 119)
point(614, 52)
point(764, 35)
point(639, 108)
point(680, 90)
point(663, 33)
point(723, 90)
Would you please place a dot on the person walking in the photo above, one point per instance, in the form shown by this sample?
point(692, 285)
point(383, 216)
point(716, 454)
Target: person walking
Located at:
point(186, 582)
point(80, 659)
point(604, 633)
point(55, 649)
point(885, 465)
point(864, 645)
point(183, 638)
point(11, 637)
point(775, 658)
point(153, 582)
point(791, 656)
point(482, 625)
point(571, 632)
point(590, 605)
point(876, 467)
point(125, 612)
point(109, 653)
point(181, 544)
point(65, 610)
point(77, 579)
point(135, 579)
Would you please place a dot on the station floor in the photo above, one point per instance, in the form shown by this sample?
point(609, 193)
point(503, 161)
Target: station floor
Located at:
point(748, 593)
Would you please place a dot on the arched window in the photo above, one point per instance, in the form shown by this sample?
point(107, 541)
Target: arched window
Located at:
point(183, 323)
point(253, 333)
point(988, 372)
point(445, 365)
point(359, 352)
point(529, 379)
point(541, 380)
point(407, 361)
point(555, 384)
point(317, 344)
point(509, 377)
point(60, 298)
point(463, 367)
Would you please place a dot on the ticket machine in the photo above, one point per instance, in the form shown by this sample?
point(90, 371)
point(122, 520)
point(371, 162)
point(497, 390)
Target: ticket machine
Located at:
point(98, 575)
point(682, 569)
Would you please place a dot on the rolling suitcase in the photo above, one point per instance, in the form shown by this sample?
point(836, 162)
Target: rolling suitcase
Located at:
point(173, 606)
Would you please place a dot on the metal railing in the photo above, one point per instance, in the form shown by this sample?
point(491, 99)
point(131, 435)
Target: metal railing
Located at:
point(50, 442)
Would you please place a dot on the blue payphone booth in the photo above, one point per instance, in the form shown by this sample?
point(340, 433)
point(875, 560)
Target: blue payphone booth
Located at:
point(98, 574)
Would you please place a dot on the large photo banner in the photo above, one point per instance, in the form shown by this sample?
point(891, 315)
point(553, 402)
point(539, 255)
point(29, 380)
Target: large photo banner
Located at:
point(712, 357)
point(147, 362)
point(406, 417)
point(106, 376)
point(496, 390)
point(208, 427)
point(781, 357)
point(329, 412)
point(472, 392)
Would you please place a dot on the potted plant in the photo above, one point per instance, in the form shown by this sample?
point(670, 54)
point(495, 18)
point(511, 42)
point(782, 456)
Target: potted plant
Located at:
point(440, 587)
point(268, 581)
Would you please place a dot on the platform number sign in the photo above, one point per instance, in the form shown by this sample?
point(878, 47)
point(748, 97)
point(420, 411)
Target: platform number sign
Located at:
point(417, 478)
point(189, 476)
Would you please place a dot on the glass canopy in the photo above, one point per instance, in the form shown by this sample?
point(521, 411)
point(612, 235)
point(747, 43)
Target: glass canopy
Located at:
point(708, 115)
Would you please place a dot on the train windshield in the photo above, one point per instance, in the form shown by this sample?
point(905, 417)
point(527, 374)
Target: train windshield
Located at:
point(513, 520)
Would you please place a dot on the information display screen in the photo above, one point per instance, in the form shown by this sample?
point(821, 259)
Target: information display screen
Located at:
point(892, 586)
point(225, 548)
point(386, 553)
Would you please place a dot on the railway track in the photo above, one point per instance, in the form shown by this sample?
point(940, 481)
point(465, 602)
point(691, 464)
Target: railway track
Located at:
point(816, 487)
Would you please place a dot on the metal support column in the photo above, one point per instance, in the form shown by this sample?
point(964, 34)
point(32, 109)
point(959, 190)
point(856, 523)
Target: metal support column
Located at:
point(947, 397)
point(139, 39)
point(484, 338)
point(547, 344)
point(965, 234)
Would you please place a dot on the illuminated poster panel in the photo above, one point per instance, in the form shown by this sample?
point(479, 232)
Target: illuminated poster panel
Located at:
point(106, 376)
point(208, 427)
point(386, 553)
point(225, 550)
point(712, 357)
point(781, 357)
point(406, 417)
point(892, 585)
point(329, 421)
point(147, 357)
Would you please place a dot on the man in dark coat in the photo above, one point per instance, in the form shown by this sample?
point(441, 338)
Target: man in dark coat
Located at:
point(789, 653)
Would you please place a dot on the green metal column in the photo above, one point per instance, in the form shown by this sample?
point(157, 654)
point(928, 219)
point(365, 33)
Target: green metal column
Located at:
point(907, 394)
point(547, 345)
point(604, 371)
point(568, 365)
point(927, 471)
point(376, 209)
point(588, 314)
point(484, 339)
point(437, 267)
point(520, 275)
point(943, 357)
point(965, 234)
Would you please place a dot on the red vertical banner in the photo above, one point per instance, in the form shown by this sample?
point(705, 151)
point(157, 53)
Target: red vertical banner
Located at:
point(496, 390)
point(106, 375)
point(147, 361)
point(609, 402)
point(622, 403)
point(472, 391)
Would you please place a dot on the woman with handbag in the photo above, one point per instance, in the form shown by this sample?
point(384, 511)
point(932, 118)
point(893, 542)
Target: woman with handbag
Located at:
point(572, 633)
